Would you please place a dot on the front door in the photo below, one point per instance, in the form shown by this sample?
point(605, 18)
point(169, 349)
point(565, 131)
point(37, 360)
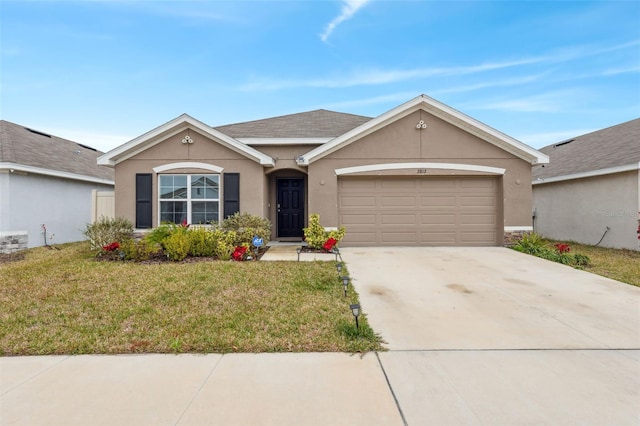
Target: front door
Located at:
point(290, 207)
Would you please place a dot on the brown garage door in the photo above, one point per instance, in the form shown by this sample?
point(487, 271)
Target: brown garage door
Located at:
point(423, 211)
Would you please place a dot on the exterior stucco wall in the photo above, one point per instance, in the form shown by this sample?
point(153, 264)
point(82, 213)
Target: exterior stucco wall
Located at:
point(581, 209)
point(28, 201)
point(440, 142)
point(202, 150)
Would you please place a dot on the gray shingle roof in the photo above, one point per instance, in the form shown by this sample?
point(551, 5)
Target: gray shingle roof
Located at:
point(26, 147)
point(611, 147)
point(313, 124)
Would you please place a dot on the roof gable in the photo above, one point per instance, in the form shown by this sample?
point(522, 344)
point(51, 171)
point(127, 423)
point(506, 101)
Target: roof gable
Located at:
point(320, 123)
point(436, 109)
point(179, 124)
point(611, 149)
point(22, 148)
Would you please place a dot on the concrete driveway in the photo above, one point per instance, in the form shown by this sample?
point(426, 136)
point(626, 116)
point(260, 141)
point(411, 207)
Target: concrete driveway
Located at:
point(492, 336)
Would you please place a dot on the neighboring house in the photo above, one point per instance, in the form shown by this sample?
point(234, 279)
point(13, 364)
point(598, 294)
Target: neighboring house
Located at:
point(590, 191)
point(419, 174)
point(45, 180)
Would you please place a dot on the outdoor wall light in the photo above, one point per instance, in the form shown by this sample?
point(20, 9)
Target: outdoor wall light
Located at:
point(345, 284)
point(339, 267)
point(355, 310)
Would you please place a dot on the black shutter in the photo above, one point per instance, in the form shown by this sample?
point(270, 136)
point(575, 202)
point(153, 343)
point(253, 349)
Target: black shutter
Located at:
point(143, 200)
point(231, 193)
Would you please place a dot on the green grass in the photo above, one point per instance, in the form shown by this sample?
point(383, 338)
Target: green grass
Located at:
point(618, 264)
point(65, 302)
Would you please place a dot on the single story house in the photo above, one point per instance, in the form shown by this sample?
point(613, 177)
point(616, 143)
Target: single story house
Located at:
point(419, 174)
point(45, 182)
point(590, 191)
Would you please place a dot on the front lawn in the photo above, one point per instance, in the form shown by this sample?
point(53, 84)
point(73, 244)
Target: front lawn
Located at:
point(617, 264)
point(65, 302)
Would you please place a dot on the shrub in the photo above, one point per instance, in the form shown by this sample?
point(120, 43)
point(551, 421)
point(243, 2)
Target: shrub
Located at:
point(225, 244)
point(177, 246)
point(202, 242)
point(139, 251)
point(315, 235)
point(246, 226)
point(108, 230)
point(160, 234)
point(531, 243)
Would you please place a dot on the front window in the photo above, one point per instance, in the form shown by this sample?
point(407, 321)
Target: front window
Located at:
point(194, 198)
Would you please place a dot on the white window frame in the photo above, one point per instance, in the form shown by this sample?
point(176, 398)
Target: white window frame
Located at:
point(189, 200)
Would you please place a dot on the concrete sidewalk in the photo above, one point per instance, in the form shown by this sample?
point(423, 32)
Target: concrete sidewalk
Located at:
point(233, 389)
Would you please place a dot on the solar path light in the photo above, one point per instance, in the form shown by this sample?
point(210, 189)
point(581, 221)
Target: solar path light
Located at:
point(355, 310)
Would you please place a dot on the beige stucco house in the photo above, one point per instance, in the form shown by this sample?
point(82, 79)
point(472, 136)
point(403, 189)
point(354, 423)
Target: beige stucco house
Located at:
point(590, 191)
point(419, 174)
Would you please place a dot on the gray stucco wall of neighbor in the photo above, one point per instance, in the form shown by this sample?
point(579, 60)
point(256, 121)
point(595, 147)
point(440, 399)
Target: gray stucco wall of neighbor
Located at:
point(28, 201)
point(581, 209)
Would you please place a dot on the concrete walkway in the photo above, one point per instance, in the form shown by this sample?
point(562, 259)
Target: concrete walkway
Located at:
point(476, 336)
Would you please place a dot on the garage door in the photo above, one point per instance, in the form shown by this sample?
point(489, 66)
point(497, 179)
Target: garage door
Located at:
point(423, 211)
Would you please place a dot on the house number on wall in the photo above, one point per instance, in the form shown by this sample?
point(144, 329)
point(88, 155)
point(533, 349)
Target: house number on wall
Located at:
point(422, 171)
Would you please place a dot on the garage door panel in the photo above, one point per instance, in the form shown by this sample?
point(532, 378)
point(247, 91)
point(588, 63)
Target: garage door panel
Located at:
point(438, 238)
point(397, 202)
point(430, 200)
point(362, 238)
point(477, 183)
point(357, 201)
point(358, 219)
point(475, 201)
point(419, 211)
point(477, 219)
point(477, 237)
point(398, 219)
point(398, 237)
point(437, 219)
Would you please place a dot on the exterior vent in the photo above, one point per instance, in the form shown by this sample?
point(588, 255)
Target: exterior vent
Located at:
point(563, 143)
point(37, 132)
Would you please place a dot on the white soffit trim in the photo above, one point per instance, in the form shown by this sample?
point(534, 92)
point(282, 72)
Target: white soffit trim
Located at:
point(173, 127)
point(441, 111)
point(188, 165)
point(55, 173)
point(403, 166)
point(283, 141)
point(517, 228)
point(592, 173)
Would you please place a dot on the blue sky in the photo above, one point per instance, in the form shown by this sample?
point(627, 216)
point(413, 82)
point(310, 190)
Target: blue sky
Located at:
point(104, 72)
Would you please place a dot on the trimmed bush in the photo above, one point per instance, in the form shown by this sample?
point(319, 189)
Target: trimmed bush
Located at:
point(177, 246)
point(246, 226)
point(202, 241)
point(140, 251)
point(108, 230)
point(315, 235)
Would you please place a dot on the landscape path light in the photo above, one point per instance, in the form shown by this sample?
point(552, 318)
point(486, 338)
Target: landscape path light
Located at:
point(355, 310)
point(339, 267)
point(345, 284)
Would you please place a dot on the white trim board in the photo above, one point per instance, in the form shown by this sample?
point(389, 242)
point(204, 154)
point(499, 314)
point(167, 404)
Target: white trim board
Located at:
point(592, 173)
point(404, 166)
point(188, 165)
point(13, 167)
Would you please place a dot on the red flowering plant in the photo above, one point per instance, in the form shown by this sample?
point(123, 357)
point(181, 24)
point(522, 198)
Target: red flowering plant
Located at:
point(112, 246)
point(239, 253)
point(329, 244)
point(562, 248)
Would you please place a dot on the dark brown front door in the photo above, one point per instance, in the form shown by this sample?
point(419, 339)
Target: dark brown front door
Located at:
point(290, 208)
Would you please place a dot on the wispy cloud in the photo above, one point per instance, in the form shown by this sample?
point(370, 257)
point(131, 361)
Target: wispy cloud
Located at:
point(349, 8)
point(370, 77)
point(557, 101)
